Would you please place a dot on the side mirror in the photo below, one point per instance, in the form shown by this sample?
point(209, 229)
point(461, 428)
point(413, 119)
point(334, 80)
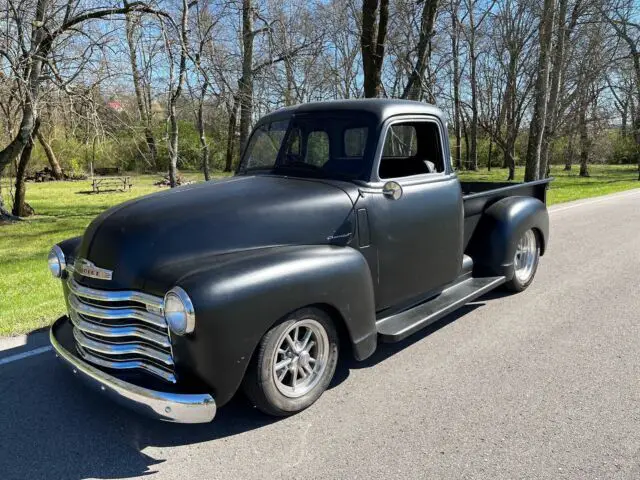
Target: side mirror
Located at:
point(392, 190)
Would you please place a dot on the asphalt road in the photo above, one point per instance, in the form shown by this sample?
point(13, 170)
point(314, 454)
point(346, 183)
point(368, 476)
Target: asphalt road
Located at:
point(543, 384)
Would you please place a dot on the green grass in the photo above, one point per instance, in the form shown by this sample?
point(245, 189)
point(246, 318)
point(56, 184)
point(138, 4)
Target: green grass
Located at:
point(569, 185)
point(30, 298)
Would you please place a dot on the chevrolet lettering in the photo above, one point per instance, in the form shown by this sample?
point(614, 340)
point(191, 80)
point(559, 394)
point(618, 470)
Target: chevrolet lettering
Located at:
point(88, 269)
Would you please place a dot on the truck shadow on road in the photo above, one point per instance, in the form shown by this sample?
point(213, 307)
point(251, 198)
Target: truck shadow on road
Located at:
point(53, 427)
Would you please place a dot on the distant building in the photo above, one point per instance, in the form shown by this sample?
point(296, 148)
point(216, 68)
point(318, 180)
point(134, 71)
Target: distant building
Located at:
point(115, 105)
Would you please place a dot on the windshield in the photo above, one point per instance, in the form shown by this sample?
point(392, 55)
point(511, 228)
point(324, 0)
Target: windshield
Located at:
point(309, 146)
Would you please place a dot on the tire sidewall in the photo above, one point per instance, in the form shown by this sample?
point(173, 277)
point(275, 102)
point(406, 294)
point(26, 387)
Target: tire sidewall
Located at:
point(279, 403)
point(515, 284)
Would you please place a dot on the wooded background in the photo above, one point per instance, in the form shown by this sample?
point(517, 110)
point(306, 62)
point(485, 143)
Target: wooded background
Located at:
point(177, 84)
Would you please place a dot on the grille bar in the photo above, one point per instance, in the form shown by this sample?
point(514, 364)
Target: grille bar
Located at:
point(126, 330)
point(115, 313)
point(113, 296)
point(119, 349)
point(132, 364)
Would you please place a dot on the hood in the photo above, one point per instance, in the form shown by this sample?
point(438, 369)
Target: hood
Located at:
point(177, 230)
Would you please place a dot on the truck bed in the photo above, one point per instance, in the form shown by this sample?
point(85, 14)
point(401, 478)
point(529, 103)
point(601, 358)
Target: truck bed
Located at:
point(478, 196)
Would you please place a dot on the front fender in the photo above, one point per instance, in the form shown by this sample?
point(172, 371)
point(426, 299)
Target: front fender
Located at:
point(494, 242)
point(70, 248)
point(237, 300)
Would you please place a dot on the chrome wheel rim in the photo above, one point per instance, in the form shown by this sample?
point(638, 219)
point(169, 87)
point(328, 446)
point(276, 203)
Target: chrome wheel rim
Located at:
point(526, 256)
point(300, 358)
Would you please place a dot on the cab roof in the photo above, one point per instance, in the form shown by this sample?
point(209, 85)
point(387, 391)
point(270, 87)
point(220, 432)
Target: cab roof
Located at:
point(381, 108)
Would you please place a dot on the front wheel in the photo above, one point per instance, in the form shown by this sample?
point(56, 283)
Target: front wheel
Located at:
point(294, 364)
point(525, 262)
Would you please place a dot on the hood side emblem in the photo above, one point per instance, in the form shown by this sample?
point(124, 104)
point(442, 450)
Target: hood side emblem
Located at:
point(88, 269)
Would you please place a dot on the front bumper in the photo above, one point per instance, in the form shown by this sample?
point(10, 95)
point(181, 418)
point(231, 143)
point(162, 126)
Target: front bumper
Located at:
point(167, 406)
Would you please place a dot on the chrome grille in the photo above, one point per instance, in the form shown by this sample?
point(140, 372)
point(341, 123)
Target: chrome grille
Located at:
point(121, 330)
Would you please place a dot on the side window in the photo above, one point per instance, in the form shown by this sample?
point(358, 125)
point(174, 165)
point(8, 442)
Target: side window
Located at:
point(401, 141)
point(411, 148)
point(317, 148)
point(355, 141)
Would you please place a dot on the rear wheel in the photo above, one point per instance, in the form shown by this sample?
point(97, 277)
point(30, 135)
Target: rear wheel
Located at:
point(294, 364)
point(525, 262)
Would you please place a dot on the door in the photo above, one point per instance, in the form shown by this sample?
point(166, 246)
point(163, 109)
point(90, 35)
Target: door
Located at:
point(417, 223)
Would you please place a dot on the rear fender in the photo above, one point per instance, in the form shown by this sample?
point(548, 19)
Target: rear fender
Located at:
point(493, 244)
point(238, 300)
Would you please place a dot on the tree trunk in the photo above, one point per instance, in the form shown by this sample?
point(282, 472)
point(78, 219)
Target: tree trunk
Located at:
point(175, 95)
point(489, 158)
point(33, 73)
point(5, 215)
point(624, 113)
point(173, 144)
point(537, 127)
point(415, 84)
point(143, 108)
point(372, 41)
point(204, 145)
point(636, 124)
point(510, 156)
point(465, 132)
point(455, 42)
point(568, 154)
point(245, 84)
point(584, 142)
point(556, 81)
point(231, 135)
point(473, 153)
point(51, 157)
point(20, 207)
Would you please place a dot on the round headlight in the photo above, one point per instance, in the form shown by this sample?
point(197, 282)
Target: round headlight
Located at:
point(57, 262)
point(179, 312)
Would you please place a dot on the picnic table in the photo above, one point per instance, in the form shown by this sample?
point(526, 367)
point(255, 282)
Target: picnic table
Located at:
point(122, 182)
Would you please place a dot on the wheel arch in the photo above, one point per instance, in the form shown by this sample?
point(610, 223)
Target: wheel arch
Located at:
point(236, 304)
point(492, 246)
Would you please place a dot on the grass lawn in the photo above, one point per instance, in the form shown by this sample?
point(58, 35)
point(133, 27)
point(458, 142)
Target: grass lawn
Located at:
point(30, 298)
point(569, 186)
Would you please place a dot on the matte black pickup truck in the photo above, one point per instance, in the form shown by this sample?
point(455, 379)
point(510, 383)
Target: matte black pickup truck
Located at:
point(344, 226)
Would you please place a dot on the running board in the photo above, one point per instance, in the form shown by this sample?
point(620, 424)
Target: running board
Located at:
point(399, 326)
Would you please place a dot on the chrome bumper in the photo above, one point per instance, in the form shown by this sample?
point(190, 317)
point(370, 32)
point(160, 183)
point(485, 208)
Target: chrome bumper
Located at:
point(170, 407)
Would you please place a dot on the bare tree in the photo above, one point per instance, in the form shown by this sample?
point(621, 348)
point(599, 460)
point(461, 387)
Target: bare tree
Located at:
point(455, 59)
point(471, 34)
point(141, 88)
point(176, 82)
point(622, 16)
point(558, 67)
point(51, 156)
point(512, 32)
point(536, 129)
point(375, 18)
point(415, 87)
point(33, 33)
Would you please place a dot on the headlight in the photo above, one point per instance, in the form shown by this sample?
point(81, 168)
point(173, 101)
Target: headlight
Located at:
point(57, 262)
point(179, 312)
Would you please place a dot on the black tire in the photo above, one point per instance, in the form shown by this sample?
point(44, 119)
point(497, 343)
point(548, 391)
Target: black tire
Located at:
point(520, 282)
point(260, 383)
